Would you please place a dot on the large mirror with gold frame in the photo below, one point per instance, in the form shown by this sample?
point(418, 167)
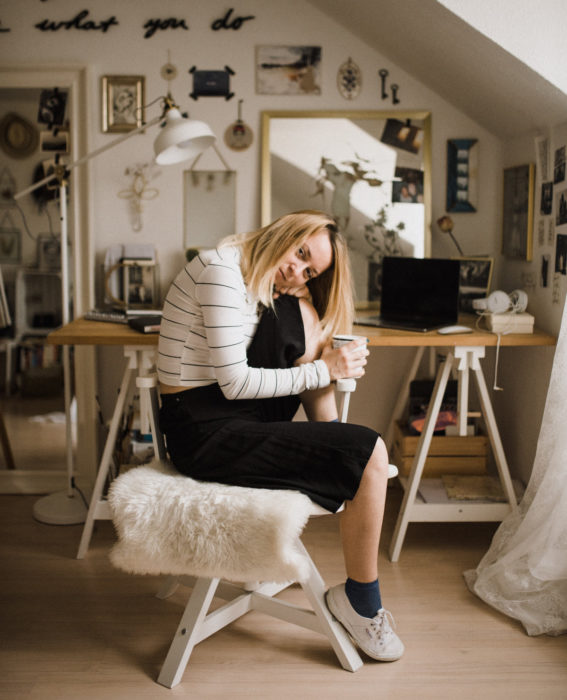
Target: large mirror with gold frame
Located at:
point(371, 170)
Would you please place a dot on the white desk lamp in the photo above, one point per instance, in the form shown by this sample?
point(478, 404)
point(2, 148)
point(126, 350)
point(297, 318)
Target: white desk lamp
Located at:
point(179, 139)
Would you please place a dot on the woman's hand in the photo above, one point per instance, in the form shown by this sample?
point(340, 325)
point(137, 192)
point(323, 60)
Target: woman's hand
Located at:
point(347, 361)
point(301, 292)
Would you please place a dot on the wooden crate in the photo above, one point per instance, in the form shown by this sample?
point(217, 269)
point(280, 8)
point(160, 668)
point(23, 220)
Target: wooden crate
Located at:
point(447, 455)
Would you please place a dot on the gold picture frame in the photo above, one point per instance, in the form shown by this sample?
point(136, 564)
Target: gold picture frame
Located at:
point(122, 102)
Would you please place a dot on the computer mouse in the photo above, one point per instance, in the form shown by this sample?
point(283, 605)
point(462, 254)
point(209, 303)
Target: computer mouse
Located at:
point(449, 330)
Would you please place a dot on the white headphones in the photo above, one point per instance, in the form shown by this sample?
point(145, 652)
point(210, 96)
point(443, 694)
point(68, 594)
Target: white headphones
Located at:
point(499, 302)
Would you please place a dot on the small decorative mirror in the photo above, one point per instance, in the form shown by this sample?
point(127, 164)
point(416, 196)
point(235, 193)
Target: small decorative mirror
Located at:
point(209, 207)
point(370, 170)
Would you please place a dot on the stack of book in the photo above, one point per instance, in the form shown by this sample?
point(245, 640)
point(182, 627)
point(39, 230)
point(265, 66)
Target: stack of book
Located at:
point(510, 322)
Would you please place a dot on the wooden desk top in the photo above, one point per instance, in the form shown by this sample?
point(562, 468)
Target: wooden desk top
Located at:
point(83, 332)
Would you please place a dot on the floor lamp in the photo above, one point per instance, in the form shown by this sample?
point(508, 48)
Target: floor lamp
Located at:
point(179, 139)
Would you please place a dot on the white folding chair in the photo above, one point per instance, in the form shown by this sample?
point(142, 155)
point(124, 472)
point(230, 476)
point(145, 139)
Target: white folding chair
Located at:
point(197, 623)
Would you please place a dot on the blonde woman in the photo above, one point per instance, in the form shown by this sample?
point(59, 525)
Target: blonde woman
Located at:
point(244, 339)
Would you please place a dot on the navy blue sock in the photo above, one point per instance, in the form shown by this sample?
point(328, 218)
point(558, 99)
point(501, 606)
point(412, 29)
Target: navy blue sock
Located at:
point(364, 597)
point(335, 420)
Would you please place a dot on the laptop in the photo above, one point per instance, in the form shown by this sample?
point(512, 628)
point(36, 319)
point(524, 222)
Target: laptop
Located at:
point(418, 294)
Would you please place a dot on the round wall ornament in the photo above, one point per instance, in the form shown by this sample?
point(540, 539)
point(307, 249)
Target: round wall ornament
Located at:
point(18, 137)
point(238, 135)
point(349, 79)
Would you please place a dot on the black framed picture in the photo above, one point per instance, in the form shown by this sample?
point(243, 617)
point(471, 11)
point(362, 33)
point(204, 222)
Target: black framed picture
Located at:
point(517, 232)
point(462, 171)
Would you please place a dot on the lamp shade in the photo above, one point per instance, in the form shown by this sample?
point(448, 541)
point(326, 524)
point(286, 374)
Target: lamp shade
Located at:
point(181, 138)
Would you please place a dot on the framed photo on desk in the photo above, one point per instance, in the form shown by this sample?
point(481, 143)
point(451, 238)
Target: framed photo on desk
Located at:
point(140, 288)
point(475, 277)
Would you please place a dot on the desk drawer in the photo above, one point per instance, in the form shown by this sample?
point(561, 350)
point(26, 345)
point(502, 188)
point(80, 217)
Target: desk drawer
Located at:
point(447, 455)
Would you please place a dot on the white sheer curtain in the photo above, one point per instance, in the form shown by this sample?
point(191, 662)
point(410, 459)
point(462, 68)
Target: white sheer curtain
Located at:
point(524, 573)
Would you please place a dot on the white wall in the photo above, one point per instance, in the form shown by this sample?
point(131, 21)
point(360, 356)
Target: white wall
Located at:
point(532, 31)
point(525, 372)
point(123, 50)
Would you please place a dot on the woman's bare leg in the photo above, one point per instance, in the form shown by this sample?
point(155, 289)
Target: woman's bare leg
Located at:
point(361, 521)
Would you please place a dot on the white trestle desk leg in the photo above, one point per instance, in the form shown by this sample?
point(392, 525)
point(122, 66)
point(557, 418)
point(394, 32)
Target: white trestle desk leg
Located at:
point(468, 358)
point(403, 396)
point(96, 504)
point(462, 396)
point(494, 437)
point(420, 457)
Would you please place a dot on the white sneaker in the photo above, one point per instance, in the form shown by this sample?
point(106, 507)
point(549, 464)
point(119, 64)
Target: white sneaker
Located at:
point(375, 635)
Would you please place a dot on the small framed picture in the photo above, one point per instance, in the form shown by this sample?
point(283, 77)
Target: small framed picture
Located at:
point(518, 219)
point(288, 70)
point(475, 277)
point(56, 141)
point(48, 253)
point(462, 170)
point(122, 102)
point(140, 288)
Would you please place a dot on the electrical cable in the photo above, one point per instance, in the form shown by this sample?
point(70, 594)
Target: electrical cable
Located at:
point(499, 335)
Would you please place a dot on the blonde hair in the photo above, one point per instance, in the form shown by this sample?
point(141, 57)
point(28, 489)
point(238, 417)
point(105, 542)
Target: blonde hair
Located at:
point(263, 249)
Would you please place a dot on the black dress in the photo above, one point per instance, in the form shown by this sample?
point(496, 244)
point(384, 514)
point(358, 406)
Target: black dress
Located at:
point(254, 442)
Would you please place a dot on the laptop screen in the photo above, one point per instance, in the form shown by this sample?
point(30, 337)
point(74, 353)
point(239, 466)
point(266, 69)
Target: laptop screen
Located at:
point(420, 290)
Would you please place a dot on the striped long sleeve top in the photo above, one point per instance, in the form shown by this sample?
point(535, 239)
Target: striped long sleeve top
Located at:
point(209, 320)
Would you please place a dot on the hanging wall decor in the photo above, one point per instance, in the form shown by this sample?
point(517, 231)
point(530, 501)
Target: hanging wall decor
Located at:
point(349, 79)
point(7, 188)
point(288, 70)
point(81, 21)
point(403, 135)
point(518, 210)
point(18, 137)
point(462, 173)
point(383, 73)
point(228, 22)
point(10, 241)
point(122, 102)
point(56, 141)
point(52, 105)
point(152, 25)
point(211, 83)
point(139, 191)
point(238, 135)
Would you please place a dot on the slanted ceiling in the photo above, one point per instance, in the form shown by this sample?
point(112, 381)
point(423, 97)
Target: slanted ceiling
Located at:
point(456, 61)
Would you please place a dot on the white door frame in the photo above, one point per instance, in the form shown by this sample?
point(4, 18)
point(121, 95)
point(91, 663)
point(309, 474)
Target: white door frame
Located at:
point(75, 79)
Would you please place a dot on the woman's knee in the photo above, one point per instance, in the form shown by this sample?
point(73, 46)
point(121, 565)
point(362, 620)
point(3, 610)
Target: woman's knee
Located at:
point(379, 460)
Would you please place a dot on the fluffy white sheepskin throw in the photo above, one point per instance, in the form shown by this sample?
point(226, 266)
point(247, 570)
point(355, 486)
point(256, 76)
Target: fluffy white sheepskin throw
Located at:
point(168, 523)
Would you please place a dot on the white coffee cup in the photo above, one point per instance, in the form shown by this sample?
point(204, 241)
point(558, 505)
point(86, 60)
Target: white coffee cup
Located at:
point(340, 340)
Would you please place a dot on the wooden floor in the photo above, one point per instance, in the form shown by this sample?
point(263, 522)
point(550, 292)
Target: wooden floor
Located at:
point(80, 629)
point(34, 429)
